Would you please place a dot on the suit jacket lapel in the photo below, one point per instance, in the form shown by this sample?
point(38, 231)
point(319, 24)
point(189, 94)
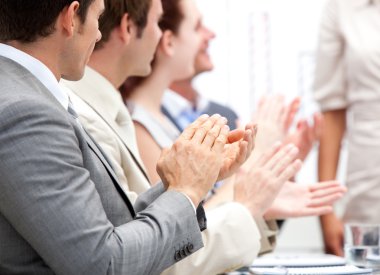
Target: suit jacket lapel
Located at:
point(102, 157)
point(116, 129)
point(105, 104)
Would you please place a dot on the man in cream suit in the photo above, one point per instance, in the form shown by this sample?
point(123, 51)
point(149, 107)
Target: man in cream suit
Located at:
point(232, 238)
point(62, 208)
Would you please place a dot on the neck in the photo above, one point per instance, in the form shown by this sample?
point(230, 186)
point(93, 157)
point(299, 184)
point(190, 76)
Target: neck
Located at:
point(42, 51)
point(185, 89)
point(150, 92)
point(109, 64)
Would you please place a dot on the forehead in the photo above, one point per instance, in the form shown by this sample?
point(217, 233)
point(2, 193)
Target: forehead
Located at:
point(189, 9)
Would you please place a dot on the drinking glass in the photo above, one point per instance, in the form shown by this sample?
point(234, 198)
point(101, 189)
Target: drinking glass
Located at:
point(362, 245)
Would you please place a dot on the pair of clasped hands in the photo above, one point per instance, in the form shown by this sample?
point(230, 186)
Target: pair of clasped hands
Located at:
point(207, 152)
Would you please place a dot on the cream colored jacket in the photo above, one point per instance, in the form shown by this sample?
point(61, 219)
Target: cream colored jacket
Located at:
point(232, 239)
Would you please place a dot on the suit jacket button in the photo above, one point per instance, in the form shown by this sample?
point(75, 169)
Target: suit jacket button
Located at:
point(183, 253)
point(177, 256)
point(190, 247)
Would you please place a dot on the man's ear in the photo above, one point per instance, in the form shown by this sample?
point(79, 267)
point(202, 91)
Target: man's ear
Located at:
point(69, 18)
point(167, 43)
point(127, 28)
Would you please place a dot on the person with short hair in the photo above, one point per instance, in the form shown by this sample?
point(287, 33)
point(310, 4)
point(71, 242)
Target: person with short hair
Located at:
point(62, 208)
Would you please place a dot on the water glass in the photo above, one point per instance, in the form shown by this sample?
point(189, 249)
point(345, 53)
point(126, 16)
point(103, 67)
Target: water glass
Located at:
point(362, 245)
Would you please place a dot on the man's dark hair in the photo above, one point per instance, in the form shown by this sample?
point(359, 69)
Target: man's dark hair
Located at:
point(27, 20)
point(172, 17)
point(115, 9)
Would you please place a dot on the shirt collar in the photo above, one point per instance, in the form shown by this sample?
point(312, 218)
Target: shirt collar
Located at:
point(38, 69)
point(176, 104)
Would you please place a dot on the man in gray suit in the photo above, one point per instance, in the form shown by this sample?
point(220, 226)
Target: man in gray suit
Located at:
point(62, 210)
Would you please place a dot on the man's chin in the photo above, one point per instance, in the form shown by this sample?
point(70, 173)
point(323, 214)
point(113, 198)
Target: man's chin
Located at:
point(146, 72)
point(203, 69)
point(142, 73)
point(73, 77)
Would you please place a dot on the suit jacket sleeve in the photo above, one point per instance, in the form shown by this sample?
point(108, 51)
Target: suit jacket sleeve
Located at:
point(47, 196)
point(232, 240)
point(268, 231)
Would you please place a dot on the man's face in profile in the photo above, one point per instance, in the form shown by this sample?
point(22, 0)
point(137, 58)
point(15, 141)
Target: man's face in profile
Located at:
point(83, 42)
point(146, 45)
point(203, 62)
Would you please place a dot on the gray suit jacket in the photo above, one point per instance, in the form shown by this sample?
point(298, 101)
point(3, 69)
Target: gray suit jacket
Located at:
point(62, 210)
point(232, 239)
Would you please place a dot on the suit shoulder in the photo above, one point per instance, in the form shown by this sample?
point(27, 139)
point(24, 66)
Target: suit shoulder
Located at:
point(221, 109)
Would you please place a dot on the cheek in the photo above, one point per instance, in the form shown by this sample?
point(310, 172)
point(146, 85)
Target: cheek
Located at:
point(195, 43)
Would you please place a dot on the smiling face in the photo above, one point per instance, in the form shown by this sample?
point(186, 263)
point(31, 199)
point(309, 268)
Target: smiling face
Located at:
point(203, 62)
point(82, 43)
point(186, 41)
point(141, 49)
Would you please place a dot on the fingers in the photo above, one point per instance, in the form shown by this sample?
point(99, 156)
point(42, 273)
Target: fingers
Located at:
point(189, 132)
point(282, 158)
point(340, 190)
point(270, 108)
point(221, 140)
point(290, 112)
point(250, 135)
point(243, 153)
point(290, 171)
point(208, 129)
point(318, 125)
point(211, 135)
point(323, 185)
point(235, 135)
point(325, 200)
point(268, 154)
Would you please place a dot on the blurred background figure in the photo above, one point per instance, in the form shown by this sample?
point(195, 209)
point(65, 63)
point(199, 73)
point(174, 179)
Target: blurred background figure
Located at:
point(174, 60)
point(347, 87)
point(183, 104)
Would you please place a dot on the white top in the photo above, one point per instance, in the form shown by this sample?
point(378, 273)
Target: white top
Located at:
point(348, 77)
point(348, 59)
point(164, 133)
point(38, 69)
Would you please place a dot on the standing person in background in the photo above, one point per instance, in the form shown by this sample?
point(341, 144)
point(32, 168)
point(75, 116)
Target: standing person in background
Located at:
point(347, 87)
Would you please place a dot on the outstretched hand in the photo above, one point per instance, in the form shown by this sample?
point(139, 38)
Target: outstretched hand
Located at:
point(240, 146)
point(274, 118)
point(306, 135)
point(257, 186)
point(300, 200)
